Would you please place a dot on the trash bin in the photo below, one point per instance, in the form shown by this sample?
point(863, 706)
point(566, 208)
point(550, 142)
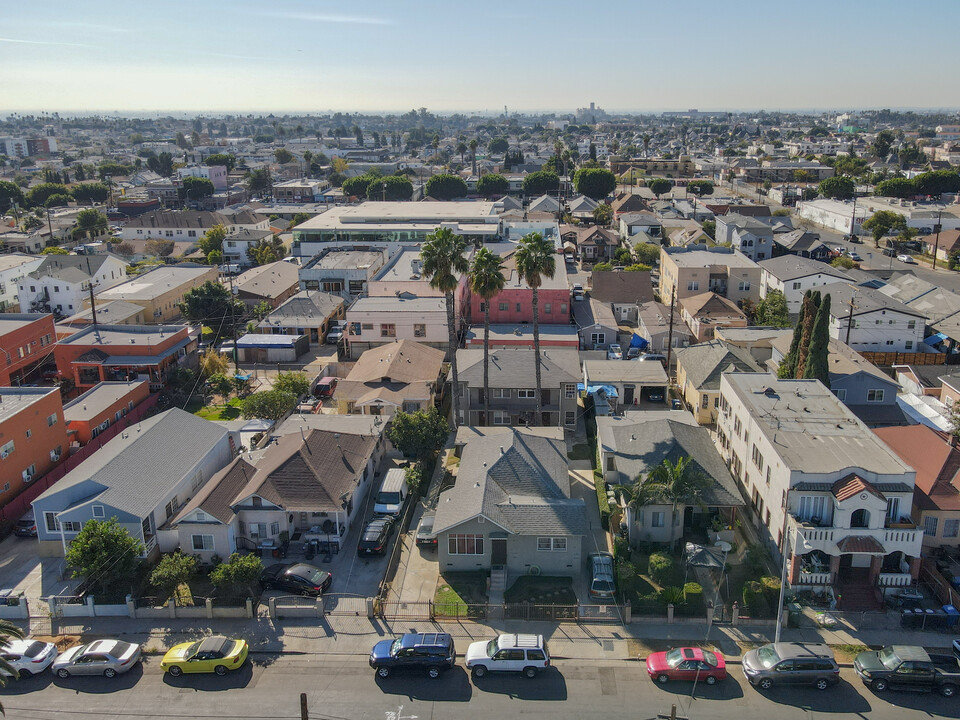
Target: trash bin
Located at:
point(795, 612)
point(953, 615)
point(909, 620)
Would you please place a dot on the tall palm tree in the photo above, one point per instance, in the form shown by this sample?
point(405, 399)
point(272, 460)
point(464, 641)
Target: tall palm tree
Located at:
point(473, 155)
point(536, 259)
point(462, 150)
point(487, 281)
point(443, 262)
point(670, 483)
point(8, 632)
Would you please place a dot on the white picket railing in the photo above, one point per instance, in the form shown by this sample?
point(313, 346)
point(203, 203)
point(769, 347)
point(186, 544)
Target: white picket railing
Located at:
point(814, 578)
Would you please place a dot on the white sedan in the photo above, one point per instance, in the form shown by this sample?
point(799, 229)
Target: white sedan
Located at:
point(614, 352)
point(27, 657)
point(906, 259)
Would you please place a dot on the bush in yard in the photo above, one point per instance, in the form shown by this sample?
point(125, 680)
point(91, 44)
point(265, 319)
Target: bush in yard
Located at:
point(296, 383)
point(691, 589)
point(415, 477)
point(672, 596)
point(659, 567)
point(754, 600)
point(693, 593)
point(771, 588)
point(237, 575)
point(602, 500)
point(756, 559)
point(105, 555)
point(268, 405)
point(172, 571)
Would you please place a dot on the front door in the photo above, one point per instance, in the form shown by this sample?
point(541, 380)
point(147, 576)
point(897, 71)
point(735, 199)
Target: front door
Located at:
point(628, 394)
point(498, 551)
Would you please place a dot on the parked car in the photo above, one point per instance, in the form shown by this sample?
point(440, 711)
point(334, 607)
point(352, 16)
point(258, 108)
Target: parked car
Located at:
point(50, 373)
point(101, 657)
point(431, 653)
point(890, 252)
point(525, 654)
point(26, 526)
point(906, 259)
point(655, 395)
point(27, 657)
point(687, 663)
point(375, 536)
point(215, 654)
point(791, 663)
point(855, 239)
point(301, 578)
point(426, 537)
point(336, 333)
point(633, 353)
point(325, 387)
point(602, 584)
point(676, 404)
point(654, 356)
point(855, 256)
point(908, 667)
point(577, 291)
point(614, 352)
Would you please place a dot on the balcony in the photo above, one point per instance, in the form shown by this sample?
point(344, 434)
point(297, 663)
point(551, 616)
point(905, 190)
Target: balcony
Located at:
point(815, 578)
point(886, 579)
point(812, 537)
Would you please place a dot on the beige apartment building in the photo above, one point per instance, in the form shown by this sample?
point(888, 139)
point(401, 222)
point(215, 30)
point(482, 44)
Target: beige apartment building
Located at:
point(159, 292)
point(696, 269)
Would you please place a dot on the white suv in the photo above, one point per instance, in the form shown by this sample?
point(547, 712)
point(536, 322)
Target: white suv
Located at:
point(525, 654)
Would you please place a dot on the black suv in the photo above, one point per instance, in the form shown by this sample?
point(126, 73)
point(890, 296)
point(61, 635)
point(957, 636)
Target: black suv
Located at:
point(376, 536)
point(297, 577)
point(425, 652)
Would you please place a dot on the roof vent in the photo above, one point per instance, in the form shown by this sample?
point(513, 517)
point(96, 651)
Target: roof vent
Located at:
point(501, 449)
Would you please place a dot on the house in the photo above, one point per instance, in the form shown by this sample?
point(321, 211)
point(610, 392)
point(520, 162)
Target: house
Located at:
point(101, 406)
point(943, 243)
point(141, 477)
point(690, 233)
point(268, 348)
point(699, 369)
point(33, 437)
point(654, 325)
point(511, 510)
point(635, 385)
point(752, 237)
point(26, 340)
point(937, 304)
point(513, 386)
point(386, 379)
point(302, 190)
point(628, 203)
point(696, 269)
point(624, 291)
point(706, 312)
point(375, 321)
point(596, 244)
point(308, 312)
point(794, 276)
point(544, 204)
point(631, 447)
point(859, 384)
point(13, 268)
point(631, 224)
point(189, 225)
point(272, 283)
point(125, 352)
point(582, 207)
point(803, 244)
point(874, 322)
point(237, 244)
point(60, 283)
point(794, 448)
point(342, 271)
point(755, 340)
point(312, 482)
point(217, 174)
point(596, 324)
point(936, 494)
point(514, 304)
point(159, 292)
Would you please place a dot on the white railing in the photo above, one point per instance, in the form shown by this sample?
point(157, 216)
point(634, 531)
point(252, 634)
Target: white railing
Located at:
point(894, 579)
point(824, 538)
point(149, 544)
point(815, 578)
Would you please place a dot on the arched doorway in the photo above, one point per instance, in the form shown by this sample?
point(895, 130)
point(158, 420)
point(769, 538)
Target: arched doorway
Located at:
point(860, 518)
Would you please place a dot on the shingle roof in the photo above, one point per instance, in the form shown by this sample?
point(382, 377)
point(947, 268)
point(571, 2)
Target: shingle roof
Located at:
point(791, 267)
point(865, 300)
point(514, 367)
point(405, 361)
point(709, 304)
point(861, 544)
point(216, 496)
point(622, 287)
point(71, 268)
point(705, 363)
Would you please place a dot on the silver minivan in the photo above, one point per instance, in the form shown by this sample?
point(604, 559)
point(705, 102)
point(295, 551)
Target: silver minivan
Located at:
point(602, 584)
point(791, 664)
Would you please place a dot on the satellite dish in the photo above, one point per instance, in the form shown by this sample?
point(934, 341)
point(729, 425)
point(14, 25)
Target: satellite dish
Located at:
point(723, 545)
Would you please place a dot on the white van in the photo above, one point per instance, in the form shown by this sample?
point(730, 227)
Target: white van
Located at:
point(393, 493)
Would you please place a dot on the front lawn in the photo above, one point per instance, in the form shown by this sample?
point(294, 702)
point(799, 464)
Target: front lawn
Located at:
point(649, 595)
point(456, 590)
point(541, 590)
point(230, 411)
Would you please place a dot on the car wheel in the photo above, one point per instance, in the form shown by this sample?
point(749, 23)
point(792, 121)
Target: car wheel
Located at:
point(63, 672)
point(267, 585)
point(663, 678)
point(879, 685)
point(433, 672)
point(383, 672)
point(822, 684)
point(220, 669)
point(175, 670)
point(946, 690)
point(24, 674)
point(110, 673)
point(529, 672)
point(765, 684)
point(711, 680)
point(479, 671)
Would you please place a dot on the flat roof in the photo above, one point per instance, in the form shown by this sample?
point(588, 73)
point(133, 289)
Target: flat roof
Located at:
point(10, 322)
point(405, 265)
point(123, 335)
point(154, 283)
point(402, 303)
point(504, 331)
point(15, 399)
point(631, 371)
point(344, 259)
point(706, 258)
point(391, 214)
point(97, 399)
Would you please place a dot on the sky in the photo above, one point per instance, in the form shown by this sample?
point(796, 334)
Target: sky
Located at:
point(318, 56)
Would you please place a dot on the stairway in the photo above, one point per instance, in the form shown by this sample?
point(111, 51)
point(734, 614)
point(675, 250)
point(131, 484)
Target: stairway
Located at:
point(498, 579)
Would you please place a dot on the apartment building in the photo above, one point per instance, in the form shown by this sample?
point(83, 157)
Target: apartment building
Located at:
point(33, 436)
point(26, 341)
point(695, 269)
point(159, 292)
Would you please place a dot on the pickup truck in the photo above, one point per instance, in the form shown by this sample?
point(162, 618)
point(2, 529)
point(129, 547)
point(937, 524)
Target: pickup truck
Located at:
point(908, 667)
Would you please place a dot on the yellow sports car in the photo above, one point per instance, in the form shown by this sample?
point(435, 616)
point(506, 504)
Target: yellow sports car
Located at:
point(214, 654)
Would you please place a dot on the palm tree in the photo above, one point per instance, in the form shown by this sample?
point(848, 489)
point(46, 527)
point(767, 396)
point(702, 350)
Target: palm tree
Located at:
point(473, 155)
point(462, 150)
point(487, 281)
point(536, 259)
point(670, 483)
point(443, 261)
point(8, 632)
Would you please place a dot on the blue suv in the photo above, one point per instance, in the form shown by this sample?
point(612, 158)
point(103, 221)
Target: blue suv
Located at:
point(431, 653)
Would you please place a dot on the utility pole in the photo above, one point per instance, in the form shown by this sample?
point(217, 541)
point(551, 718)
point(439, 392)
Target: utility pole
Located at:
point(850, 319)
point(936, 246)
point(93, 306)
point(233, 325)
point(673, 301)
point(853, 218)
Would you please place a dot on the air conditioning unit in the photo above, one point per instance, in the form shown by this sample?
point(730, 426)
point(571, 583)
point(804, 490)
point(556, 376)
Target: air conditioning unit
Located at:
point(5, 454)
point(27, 476)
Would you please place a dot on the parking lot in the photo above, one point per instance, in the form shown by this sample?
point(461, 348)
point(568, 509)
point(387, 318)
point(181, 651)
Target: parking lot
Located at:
point(22, 571)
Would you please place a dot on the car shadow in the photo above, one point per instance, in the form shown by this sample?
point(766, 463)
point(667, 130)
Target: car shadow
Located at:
point(728, 689)
point(97, 684)
point(841, 698)
point(211, 682)
point(451, 686)
point(28, 685)
point(548, 685)
point(928, 703)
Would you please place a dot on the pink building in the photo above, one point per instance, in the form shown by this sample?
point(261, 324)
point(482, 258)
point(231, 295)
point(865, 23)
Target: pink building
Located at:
point(514, 305)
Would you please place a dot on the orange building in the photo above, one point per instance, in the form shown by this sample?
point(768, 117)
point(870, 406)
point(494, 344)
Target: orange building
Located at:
point(33, 436)
point(99, 407)
point(25, 340)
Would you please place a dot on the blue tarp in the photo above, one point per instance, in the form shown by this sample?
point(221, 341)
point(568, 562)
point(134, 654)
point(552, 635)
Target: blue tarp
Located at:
point(638, 342)
point(608, 390)
point(935, 339)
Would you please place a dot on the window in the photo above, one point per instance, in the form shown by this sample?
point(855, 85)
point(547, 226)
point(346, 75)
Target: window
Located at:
point(388, 330)
point(569, 418)
point(757, 458)
point(501, 393)
point(274, 529)
point(419, 330)
point(874, 396)
point(29, 472)
point(930, 526)
point(563, 307)
point(503, 306)
point(552, 544)
point(501, 418)
point(547, 308)
point(611, 463)
point(526, 394)
point(908, 345)
point(74, 526)
point(657, 519)
point(796, 286)
point(951, 528)
point(171, 507)
point(201, 516)
point(569, 391)
point(465, 544)
point(841, 394)
point(893, 509)
point(202, 542)
point(911, 325)
point(598, 338)
point(743, 286)
point(98, 511)
point(693, 286)
point(50, 520)
point(705, 404)
point(52, 420)
point(6, 449)
point(366, 326)
point(519, 307)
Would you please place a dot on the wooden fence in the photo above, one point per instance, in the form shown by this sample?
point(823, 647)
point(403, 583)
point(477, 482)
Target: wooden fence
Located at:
point(898, 358)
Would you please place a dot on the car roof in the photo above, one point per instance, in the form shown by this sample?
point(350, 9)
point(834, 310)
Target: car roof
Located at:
point(795, 650)
point(17, 646)
point(101, 646)
point(910, 653)
point(520, 640)
point(214, 643)
point(298, 568)
point(425, 640)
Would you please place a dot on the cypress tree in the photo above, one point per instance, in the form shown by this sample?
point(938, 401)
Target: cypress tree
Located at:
point(818, 367)
point(808, 319)
point(789, 365)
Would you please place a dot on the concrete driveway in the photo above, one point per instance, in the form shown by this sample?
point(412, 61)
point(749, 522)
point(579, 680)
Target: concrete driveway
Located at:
point(24, 571)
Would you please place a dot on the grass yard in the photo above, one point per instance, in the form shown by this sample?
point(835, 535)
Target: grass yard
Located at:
point(541, 590)
point(230, 411)
point(455, 590)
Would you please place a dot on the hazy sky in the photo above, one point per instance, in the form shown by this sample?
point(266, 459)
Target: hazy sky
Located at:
point(318, 55)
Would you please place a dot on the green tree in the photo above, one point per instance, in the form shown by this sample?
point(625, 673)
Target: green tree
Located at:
point(498, 146)
point(268, 405)
point(262, 309)
point(838, 187)
point(844, 262)
point(473, 156)
point(54, 250)
point(390, 188)
point(772, 311)
point(296, 383)
point(595, 183)
point(162, 165)
point(623, 256)
point(882, 143)
point(38, 194)
point(486, 282)
point(57, 200)
point(211, 304)
point(228, 160)
point(282, 156)
point(536, 259)
point(443, 264)
point(817, 367)
point(105, 555)
point(172, 571)
point(883, 222)
point(895, 187)
point(541, 182)
point(446, 187)
point(647, 253)
point(419, 434)
point(220, 384)
point(637, 267)
point(90, 223)
point(8, 633)
point(238, 574)
point(602, 267)
point(267, 251)
point(213, 239)
point(700, 187)
point(197, 188)
point(159, 247)
point(937, 182)
point(212, 361)
point(492, 185)
point(95, 192)
point(809, 318)
point(10, 194)
point(677, 484)
point(357, 186)
point(259, 181)
point(788, 366)
point(658, 186)
point(603, 214)
point(300, 217)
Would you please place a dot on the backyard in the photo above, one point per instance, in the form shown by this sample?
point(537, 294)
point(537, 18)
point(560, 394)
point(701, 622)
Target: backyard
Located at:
point(230, 411)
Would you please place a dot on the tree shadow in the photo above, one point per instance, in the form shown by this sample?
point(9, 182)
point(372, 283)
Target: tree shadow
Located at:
point(451, 686)
point(548, 685)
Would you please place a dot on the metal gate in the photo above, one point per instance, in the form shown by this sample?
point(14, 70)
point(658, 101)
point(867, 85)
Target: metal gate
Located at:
point(395, 610)
point(342, 604)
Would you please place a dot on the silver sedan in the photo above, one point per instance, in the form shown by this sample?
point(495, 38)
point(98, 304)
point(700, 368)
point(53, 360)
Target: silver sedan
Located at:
point(101, 657)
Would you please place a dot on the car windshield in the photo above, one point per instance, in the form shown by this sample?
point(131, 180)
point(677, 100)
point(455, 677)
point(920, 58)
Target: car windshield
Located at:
point(710, 658)
point(602, 586)
point(767, 656)
point(889, 658)
point(388, 498)
point(192, 650)
point(395, 647)
point(317, 576)
point(674, 658)
point(491, 648)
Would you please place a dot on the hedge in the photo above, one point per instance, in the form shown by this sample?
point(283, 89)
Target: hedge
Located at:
point(602, 501)
point(754, 599)
point(659, 566)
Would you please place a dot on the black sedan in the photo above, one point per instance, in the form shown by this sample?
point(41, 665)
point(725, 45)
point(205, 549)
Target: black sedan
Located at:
point(376, 536)
point(300, 578)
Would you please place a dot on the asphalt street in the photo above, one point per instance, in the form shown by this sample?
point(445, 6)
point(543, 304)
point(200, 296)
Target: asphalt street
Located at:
point(345, 687)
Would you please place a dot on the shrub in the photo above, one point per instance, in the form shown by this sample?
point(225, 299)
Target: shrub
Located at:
point(756, 559)
point(754, 601)
point(602, 500)
point(672, 596)
point(771, 586)
point(692, 588)
point(621, 550)
point(693, 594)
point(659, 567)
point(415, 476)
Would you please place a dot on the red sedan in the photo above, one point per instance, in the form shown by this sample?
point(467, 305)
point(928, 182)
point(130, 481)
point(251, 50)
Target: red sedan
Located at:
point(687, 664)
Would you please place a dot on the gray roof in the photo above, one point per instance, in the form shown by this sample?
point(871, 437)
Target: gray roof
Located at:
point(932, 301)
point(517, 480)
point(744, 222)
point(71, 268)
point(401, 303)
point(514, 367)
point(622, 287)
point(14, 400)
point(865, 300)
point(136, 470)
point(799, 240)
point(704, 363)
point(98, 398)
point(306, 308)
point(269, 281)
point(593, 312)
point(631, 371)
point(791, 267)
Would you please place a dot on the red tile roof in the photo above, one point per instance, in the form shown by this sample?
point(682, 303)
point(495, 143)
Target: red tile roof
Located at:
point(860, 544)
point(853, 485)
point(937, 463)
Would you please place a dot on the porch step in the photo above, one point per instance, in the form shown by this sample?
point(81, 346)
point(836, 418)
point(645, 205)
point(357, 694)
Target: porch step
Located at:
point(860, 598)
point(498, 578)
